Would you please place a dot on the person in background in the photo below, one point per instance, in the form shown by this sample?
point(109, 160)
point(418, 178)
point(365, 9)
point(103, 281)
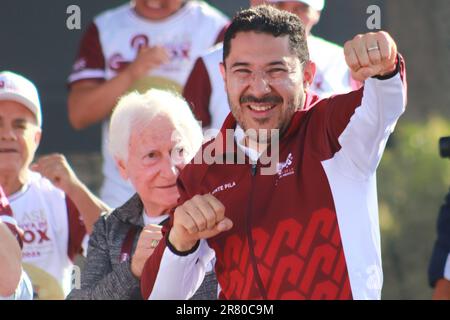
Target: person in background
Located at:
point(439, 268)
point(332, 73)
point(140, 45)
point(50, 204)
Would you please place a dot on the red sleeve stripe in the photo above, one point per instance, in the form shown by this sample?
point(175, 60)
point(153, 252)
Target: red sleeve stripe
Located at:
point(221, 35)
point(197, 92)
point(90, 55)
point(77, 230)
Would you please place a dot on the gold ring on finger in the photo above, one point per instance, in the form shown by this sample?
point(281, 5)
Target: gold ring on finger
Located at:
point(154, 243)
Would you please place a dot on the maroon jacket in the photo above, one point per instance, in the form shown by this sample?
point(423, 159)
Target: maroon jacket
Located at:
point(286, 242)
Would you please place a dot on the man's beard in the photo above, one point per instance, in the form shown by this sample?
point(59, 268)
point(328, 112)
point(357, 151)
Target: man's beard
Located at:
point(265, 135)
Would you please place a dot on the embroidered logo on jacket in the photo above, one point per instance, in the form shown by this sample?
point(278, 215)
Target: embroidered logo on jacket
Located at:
point(285, 169)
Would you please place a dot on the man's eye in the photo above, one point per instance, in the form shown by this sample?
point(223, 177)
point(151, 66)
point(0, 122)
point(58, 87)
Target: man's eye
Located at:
point(277, 71)
point(151, 155)
point(21, 126)
point(242, 72)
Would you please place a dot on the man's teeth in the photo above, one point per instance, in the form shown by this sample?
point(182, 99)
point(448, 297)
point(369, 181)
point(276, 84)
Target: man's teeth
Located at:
point(153, 5)
point(260, 108)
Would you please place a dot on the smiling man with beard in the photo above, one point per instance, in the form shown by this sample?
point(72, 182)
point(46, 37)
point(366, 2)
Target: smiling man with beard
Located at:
point(309, 230)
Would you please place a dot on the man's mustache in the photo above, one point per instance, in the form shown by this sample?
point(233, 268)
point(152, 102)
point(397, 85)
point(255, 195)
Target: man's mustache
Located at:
point(266, 99)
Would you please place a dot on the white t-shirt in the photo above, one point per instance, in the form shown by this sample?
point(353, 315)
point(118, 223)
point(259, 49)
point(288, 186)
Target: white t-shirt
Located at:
point(332, 73)
point(53, 234)
point(153, 220)
point(112, 42)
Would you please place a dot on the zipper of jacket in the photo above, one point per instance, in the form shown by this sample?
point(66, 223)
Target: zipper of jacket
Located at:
point(251, 248)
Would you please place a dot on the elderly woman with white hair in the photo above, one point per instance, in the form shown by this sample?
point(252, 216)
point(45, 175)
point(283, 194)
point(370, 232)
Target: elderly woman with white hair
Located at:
point(152, 137)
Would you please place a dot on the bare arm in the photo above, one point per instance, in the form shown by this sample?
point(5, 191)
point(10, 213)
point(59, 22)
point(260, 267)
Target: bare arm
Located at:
point(91, 101)
point(10, 262)
point(56, 168)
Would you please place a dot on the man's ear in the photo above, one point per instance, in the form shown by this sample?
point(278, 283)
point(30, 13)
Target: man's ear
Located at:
point(309, 71)
point(122, 168)
point(223, 72)
point(37, 137)
point(316, 17)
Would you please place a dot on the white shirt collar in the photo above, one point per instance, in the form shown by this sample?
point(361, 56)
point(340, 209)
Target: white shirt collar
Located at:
point(239, 136)
point(153, 220)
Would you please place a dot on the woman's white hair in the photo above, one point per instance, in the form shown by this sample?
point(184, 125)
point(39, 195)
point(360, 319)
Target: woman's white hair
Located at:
point(135, 110)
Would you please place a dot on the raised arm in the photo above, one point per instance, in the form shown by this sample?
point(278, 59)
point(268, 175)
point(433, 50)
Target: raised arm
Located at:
point(357, 125)
point(56, 168)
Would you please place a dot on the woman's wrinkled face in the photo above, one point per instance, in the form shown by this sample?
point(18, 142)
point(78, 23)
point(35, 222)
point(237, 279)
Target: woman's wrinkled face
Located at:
point(154, 162)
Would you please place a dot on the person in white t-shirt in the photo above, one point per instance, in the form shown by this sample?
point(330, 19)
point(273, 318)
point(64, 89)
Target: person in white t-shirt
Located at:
point(140, 45)
point(14, 282)
point(50, 204)
point(204, 89)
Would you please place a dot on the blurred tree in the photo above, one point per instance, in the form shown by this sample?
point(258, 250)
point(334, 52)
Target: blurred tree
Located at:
point(412, 183)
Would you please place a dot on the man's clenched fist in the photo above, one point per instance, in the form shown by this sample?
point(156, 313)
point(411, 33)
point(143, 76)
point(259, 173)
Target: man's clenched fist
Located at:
point(201, 217)
point(371, 54)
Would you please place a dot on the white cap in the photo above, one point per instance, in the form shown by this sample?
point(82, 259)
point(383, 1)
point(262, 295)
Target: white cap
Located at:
point(315, 4)
point(17, 88)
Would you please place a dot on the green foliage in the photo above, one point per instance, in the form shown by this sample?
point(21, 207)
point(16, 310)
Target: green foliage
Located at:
point(412, 183)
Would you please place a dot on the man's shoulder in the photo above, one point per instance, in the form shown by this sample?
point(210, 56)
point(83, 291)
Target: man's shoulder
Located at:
point(323, 43)
point(214, 54)
point(324, 52)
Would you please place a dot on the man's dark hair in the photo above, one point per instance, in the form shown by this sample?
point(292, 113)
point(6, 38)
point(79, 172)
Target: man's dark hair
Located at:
point(269, 20)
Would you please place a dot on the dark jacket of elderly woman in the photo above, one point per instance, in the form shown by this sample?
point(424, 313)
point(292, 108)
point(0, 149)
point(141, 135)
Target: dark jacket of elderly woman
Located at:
point(104, 275)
